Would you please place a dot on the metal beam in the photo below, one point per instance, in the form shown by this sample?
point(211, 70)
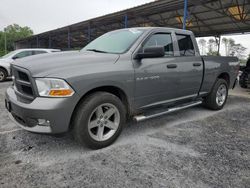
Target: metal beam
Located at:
point(37, 41)
point(207, 16)
point(185, 14)
point(89, 33)
point(69, 39)
point(50, 42)
point(218, 52)
point(126, 21)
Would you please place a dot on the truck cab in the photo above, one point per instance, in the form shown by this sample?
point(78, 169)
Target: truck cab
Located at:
point(181, 57)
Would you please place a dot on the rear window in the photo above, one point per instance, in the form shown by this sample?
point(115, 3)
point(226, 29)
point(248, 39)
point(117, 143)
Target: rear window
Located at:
point(39, 52)
point(22, 54)
point(186, 46)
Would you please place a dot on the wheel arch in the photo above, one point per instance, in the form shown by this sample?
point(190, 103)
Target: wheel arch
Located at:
point(109, 89)
point(3, 68)
point(225, 76)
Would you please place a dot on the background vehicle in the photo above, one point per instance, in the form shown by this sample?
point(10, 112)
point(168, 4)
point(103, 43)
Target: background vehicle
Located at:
point(6, 60)
point(245, 76)
point(138, 72)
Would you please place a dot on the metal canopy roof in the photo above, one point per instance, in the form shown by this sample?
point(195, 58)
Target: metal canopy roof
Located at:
point(205, 18)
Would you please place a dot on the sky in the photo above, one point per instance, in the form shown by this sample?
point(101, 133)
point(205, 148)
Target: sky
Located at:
point(45, 15)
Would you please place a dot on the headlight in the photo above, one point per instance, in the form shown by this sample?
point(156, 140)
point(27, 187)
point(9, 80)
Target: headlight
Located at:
point(50, 87)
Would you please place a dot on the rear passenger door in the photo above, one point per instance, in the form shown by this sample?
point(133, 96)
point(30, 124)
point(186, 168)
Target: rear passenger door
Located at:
point(189, 67)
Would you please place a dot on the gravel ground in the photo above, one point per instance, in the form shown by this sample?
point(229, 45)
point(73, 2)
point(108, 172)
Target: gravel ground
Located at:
point(191, 148)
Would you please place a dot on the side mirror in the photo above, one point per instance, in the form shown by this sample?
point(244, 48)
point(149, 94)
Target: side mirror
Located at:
point(151, 52)
point(15, 57)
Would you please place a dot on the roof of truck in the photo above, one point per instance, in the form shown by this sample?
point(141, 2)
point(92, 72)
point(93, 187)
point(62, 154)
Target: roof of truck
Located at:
point(43, 49)
point(154, 28)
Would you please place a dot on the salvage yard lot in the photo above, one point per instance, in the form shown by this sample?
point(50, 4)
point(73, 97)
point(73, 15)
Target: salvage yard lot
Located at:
point(191, 148)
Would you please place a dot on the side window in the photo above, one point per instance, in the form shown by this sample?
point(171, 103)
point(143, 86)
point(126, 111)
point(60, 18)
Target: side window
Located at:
point(185, 45)
point(161, 39)
point(22, 54)
point(35, 52)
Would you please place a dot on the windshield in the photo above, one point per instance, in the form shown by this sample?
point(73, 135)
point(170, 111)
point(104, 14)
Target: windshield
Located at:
point(114, 42)
point(9, 54)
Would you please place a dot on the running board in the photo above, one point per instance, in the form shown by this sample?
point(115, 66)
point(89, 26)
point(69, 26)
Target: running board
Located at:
point(167, 111)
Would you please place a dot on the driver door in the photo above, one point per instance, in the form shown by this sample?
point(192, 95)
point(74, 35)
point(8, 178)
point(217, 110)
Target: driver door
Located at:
point(156, 78)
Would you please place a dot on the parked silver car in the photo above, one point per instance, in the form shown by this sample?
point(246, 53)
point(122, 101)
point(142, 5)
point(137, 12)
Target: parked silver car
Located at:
point(9, 58)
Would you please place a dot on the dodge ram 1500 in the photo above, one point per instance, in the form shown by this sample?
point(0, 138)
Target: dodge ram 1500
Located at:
point(137, 73)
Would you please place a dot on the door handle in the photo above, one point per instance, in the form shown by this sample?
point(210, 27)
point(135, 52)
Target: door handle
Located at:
point(171, 66)
point(196, 64)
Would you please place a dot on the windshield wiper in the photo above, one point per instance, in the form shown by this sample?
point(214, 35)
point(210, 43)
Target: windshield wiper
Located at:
point(95, 50)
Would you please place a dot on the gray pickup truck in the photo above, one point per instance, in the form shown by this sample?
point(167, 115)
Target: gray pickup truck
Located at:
point(136, 73)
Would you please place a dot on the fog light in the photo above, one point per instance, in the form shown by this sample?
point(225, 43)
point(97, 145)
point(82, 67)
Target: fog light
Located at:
point(43, 122)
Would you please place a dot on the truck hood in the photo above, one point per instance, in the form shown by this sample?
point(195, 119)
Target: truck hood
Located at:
point(63, 63)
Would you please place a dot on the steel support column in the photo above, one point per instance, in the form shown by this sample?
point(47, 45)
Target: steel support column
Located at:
point(218, 52)
point(185, 14)
point(37, 41)
point(126, 21)
point(89, 33)
point(50, 44)
point(69, 37)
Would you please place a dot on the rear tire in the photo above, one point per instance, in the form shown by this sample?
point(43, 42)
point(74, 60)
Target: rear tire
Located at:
point(99, 120)
point(243, 86)
point(218, 96)
point(243, 79)
point(3, 75)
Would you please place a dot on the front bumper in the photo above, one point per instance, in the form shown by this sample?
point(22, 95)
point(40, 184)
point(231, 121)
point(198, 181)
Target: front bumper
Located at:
point(56, 112)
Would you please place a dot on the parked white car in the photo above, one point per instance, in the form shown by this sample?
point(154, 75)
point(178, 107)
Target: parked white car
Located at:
point(9, 58)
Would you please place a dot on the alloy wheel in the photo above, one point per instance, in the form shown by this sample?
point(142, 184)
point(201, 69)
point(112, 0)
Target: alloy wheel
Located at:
point(103, 122)
point(221, 95)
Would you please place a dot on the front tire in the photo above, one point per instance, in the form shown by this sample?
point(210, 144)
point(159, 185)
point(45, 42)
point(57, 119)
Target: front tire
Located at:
point(3, 75)
point(99, 120)
point(218, 96)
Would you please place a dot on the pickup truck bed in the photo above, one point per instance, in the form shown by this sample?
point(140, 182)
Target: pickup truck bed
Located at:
point(213, 66)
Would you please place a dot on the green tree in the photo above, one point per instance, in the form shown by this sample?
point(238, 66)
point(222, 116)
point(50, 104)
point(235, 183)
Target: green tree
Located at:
point(202, 44)
point(12, 33)
point(239, 51)
point(234, 49)
point(214, 53)
point(212, 47)
point(226, 42)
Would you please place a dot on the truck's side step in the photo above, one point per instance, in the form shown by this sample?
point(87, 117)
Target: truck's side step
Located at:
point(161, 112)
